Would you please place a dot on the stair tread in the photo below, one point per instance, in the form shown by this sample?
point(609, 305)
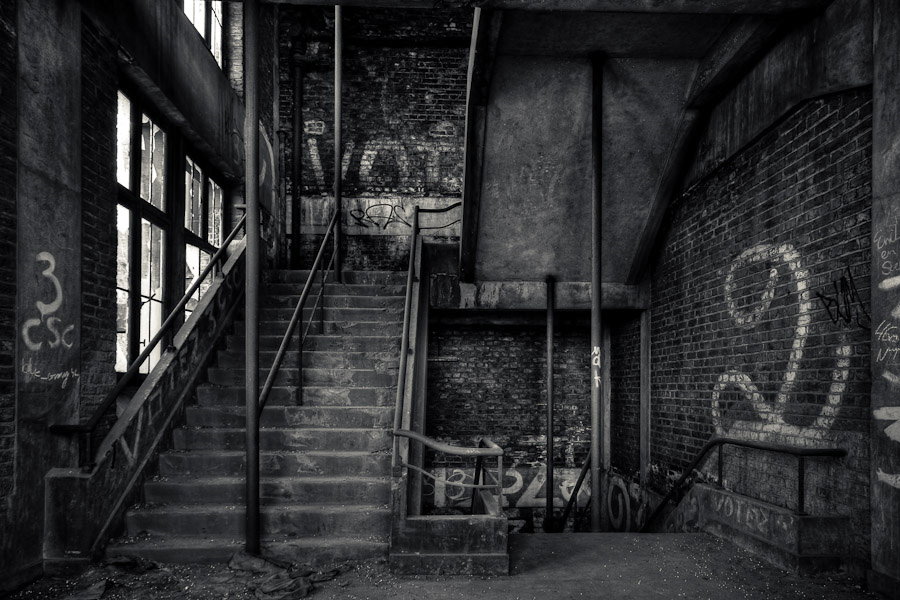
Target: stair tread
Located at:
point(207, 540)
point(186, 508)
point(194, 479)
point(232, 453)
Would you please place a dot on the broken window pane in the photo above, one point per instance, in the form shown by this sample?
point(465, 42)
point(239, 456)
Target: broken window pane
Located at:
point(195, 261)
point(193, 197)
point(196, 13)
point(123, 243)
point(214, 234)
point(152, 272)
point(215, 41)
point(123, 141)
point(153, 162)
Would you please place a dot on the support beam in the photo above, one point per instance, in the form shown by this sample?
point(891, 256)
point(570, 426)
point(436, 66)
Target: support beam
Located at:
point(596, 273)
point(251, 316)
point(749, 7)
point(483, 49)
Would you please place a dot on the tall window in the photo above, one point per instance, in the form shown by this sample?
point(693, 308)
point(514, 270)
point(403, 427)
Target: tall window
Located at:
point(141, 223)
point(202, 224)
point(207, 17)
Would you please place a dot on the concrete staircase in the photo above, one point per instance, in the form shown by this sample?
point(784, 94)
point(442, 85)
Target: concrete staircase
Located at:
point(325, 441)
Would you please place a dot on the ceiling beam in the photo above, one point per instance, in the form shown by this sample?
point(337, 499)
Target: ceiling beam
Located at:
point(735, 7)
point(485, 37)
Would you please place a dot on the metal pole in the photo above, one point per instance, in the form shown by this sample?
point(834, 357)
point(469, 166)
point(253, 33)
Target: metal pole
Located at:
point(551, 310)
point(338, 187)
point(297, 149)
point(596, 292)
point(251, 191)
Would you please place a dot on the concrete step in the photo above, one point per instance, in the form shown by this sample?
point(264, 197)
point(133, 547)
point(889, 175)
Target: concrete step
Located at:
point(314, 342)
point(287, 376)
point(293, 290)
point(287, 520)
point(314, 551)
point(334, 300)
point(279, 328)
point(306, 438)
point(233, 359)
point(333, 313)
point(304, 490)
point(348, 277)
point(274, 464)
point(355, 417)
point(309, 395)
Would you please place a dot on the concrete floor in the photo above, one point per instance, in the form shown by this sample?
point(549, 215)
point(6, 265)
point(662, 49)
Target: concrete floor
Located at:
point(544, 567)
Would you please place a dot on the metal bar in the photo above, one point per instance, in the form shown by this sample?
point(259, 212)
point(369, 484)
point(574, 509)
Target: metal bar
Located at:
point(475, 480)
point(251, 314)
point(573, 499)
point(297, 150)
point(447, 448)
point(596, 292)
point(551, 314)
point(135, 366)
point(338, 153)
point(295, 319)
point(404, 340)
point(801, 485)
point(500, 481)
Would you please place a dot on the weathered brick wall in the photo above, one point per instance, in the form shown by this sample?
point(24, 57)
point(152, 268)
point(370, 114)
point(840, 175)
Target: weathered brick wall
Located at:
point(759, 326)
point(99, 85)
point(8, 115)
point(625, 390)
point(404, 112)
point(490, 380)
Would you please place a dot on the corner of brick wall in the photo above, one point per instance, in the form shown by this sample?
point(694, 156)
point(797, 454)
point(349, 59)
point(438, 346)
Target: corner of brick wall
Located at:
point(760, 326)
point(98, 197)
point(8, 167)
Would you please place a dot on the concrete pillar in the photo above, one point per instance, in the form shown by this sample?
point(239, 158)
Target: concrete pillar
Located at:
point(884, 576)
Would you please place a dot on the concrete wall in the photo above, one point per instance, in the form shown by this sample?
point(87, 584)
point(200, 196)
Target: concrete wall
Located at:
point(536, 184)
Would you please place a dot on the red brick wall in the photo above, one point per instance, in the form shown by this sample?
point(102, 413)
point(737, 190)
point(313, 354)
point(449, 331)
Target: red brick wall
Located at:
point(749, 336)
point(8, 116)
point(99, 85)
point(489, 380)
point(404, 84)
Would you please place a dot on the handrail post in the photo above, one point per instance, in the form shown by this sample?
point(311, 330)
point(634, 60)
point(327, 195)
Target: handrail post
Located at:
point(251, 320)
point(475, 481)
point(338, 158)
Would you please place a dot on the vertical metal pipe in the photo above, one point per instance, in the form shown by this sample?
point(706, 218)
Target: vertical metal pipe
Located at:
point(596, 291)
point(338, 155)
point(297, 151)
point(551, 315)
point(251, 191)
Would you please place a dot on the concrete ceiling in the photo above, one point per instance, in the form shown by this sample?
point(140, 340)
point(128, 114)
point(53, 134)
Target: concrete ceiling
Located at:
point(613, 35)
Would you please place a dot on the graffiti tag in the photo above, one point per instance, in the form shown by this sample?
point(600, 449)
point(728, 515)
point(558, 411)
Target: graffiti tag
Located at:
point(62, 335)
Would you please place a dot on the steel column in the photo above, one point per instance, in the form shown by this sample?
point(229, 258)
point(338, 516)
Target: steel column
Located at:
point(338, 183)
point(596, 267)
point(251, 318)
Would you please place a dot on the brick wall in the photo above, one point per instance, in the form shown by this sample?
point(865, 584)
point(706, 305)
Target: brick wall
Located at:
point(759, 323)
point(99, 84)
point(625, 390)
point(8, 115)
point(404, 112)
point(490, 380)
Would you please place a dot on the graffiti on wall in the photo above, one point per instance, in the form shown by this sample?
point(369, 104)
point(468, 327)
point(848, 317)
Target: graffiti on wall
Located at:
point(784, 260)
point(843, 303)
point(47, 331)
point(886, 341)
point(523, 487)
point(421, 164)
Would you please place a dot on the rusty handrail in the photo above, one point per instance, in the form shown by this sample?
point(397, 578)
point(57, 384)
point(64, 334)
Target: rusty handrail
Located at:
point(801, 452)
point(87, 429)
point(492, 450)
point(295, 319)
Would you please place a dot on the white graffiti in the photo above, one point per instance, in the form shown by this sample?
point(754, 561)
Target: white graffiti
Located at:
point(889, 413)
point(771, 414)
point(62, 336)
point(596, 364)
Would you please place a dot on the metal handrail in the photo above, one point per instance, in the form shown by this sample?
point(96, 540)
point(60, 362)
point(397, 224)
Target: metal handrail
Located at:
point(87, 429)
point(490, 450)
point(801, 452)
point(295, 318)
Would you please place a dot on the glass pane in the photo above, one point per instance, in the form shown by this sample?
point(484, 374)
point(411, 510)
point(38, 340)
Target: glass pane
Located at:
point(153, 161)
point(214, 235)
point(215, 41)
point(196, 12)
point(193, 197)
point(123, 141)
point(152, 270)
point(195, 261)
point(123, 242)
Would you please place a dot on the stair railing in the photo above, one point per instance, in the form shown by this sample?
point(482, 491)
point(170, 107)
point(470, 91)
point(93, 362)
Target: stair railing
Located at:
point(800, 452)
point(85, 431)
